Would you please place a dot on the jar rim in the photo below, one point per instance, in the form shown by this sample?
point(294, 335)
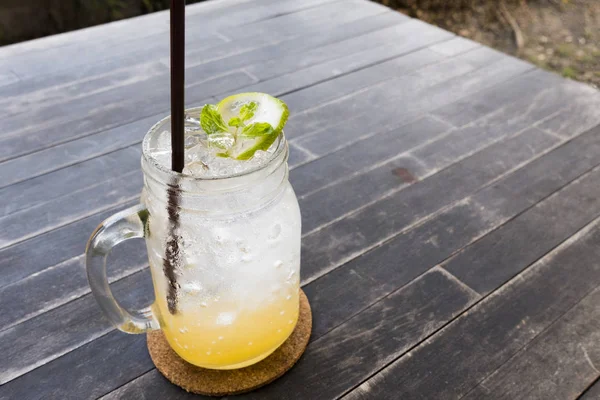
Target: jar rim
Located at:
point(169, 174)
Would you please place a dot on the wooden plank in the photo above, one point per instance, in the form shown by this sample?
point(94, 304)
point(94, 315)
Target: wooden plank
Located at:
point(408, 36)
point(200, 28)
point(28, 222)
point(70, 207)
point(63, 381)
point(337, 166)
point(25, 346)
point(455, 46)
point(44, 188)
point(403, 91)
point(60, 245)
point(341, 237)
point(480, 341)
point(375, 266)
point(343, 240)
point(559, 363)
point(74, 152)
point(31, 296)
point(300, 21)
point(49, 126)
point(101, 111)
point(486, 264)
point(7, 77)
point(372, 66)
point(53, 158)
point(581, 115)
point(322, 92)
point(46, 90)
point(335, 363)
point(151, 382)
point(367, 268)
point(463, 111)
point(335, 200)
point(127, 28)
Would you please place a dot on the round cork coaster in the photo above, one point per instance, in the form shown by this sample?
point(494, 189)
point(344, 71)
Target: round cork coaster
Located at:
point(214, 382)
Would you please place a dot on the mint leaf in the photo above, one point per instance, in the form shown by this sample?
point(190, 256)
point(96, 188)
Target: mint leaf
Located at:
point(257, 129)
point(235, 121)
point(211, 120)
point(247, 111)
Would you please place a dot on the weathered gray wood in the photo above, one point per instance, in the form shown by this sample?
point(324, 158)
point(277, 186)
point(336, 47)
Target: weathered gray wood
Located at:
point(7, 77)
point(430, 158)
point(581, 115)
point(119, 29)
point(334, 363)
point(559, 363)
point(49, 126)
point(455, 46)
point(199, 27)
point(493, 331)
point(417, 93)
point(78, 150)
point(55, 286)
point(505, 252)
point(320, 77)
point(50, 215)
point(81, 82)
point(344, 164)
point(25, 347)
point(381, 277)
point(57, 246)
point(345, 239)
point(465, 110)
point(408, 36)
point(44, 188)
point(75, 151)
point(147, 386)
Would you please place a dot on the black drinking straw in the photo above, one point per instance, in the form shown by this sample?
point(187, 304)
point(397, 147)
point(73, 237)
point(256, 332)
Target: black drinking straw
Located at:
point(177, 82)
point(172, 252)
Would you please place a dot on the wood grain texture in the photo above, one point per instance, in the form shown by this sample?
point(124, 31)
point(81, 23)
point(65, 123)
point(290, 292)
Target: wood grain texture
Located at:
point(200, 26)
point(22, 168)
point(456, 359)
point(559, 363)
point(488, 263)
point(433, 174)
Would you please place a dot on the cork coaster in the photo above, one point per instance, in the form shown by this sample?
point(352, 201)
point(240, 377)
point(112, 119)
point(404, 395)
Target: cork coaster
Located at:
point(213, 382)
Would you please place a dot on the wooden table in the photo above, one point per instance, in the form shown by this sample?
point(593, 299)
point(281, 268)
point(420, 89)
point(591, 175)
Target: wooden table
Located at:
point(450, 197)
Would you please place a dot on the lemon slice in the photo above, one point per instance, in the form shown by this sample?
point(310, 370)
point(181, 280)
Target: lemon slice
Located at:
point(265, 109)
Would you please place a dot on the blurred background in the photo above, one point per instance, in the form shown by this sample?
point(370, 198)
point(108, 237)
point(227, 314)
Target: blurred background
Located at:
point(558, 35)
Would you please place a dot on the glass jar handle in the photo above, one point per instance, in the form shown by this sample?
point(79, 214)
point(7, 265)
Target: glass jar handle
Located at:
point(127, 224)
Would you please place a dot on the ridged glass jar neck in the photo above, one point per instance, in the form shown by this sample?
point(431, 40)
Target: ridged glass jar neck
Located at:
point(215, 196)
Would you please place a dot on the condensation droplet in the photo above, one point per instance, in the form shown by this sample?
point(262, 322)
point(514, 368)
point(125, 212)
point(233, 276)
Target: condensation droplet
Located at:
point(281, 312)
point(208, 353)
point(183, 330)
point(249, 343)
point(275, 232)
point(290, 276)
point(288, 297)
point(203, 304)
point(214, 342)
point(291, 321)
point(221, 338)
point(185, 346)
point(278, 264)
point(278, 330)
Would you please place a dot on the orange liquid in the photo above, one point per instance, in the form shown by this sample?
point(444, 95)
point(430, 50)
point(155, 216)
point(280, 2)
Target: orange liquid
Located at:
point(227, 336)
